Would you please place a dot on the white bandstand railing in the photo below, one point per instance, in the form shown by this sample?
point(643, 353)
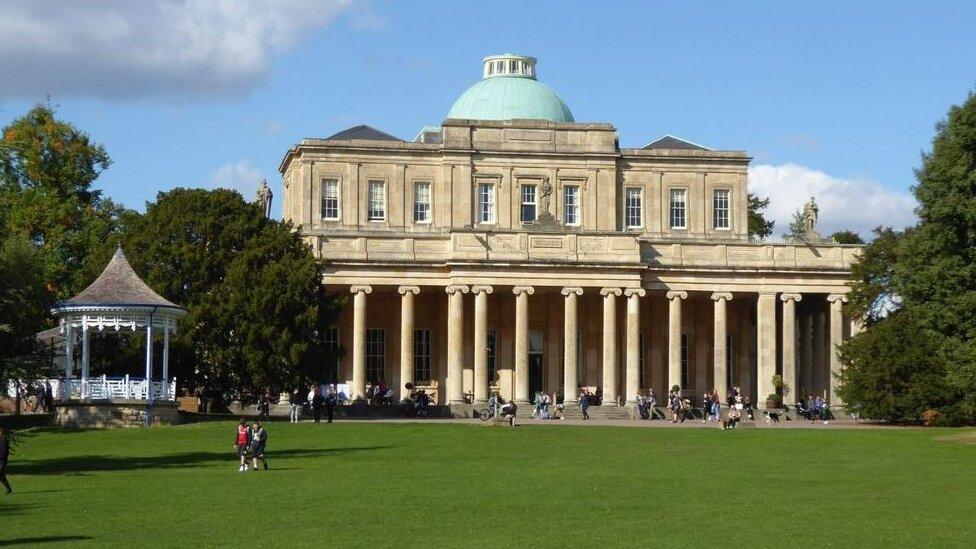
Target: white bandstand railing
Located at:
point(106, 388)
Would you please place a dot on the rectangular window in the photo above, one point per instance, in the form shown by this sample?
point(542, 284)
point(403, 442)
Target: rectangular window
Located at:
point(492, 339)
point(330, 199)
point(685, 366)
point(331, 338)
point(375, 355)
point(571, 204)
point(720, 209)
point(678, 209)
point(528, 203)
point(486, 203)
point(421, 356)
point(421, 202)
point(640, 364)
point(580, 365)
point(376, 208)
point(633, 208)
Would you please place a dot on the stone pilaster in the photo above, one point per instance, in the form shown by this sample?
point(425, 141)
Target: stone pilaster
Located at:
point(836, 338)
point(720, 349)
point(455, 342)
point(358, 389)
point(570, 372)
point(791, 376)
point(481, 342)
point(522, 294)
point(765, 346)
point(610, 296)
point(633, 342)
point(407, 294)
point(675, 297)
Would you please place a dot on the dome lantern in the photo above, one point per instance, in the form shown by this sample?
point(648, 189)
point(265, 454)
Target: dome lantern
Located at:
point(509, 64)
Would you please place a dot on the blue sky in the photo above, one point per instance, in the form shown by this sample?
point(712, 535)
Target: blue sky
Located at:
point(835, 99)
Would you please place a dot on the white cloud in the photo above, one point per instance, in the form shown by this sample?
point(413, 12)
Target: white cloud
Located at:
point(164, 48)
point(240, 176)
point(855, 204)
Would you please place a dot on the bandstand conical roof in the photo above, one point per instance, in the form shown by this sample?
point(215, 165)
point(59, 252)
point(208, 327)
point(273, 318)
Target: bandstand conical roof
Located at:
point(117, 286)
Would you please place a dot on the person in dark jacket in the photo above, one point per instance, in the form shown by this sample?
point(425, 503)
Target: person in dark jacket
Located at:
point(330, 402)
point(317, 401)
point(4, 455)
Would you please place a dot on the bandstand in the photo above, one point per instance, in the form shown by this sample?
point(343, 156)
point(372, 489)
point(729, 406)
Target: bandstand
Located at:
point(118, 301)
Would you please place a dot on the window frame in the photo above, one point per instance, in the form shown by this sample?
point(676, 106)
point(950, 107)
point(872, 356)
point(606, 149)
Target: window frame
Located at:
point(338, 199)
point(728, 209)
point(672, 209)
point(685, 362)
point(492, 217)
point(375, 361)
point(639, 207)
point(422, 357)
point(430, 200)
point(491, 364)
point(370, 183)
point(534, 204)
point(577, 217)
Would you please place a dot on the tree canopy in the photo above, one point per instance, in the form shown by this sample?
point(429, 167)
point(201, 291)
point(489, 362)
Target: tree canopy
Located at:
point(758, 226)
point(847, 237)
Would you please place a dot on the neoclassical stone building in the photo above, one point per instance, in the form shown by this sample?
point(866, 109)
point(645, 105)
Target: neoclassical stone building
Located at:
point(515, 249)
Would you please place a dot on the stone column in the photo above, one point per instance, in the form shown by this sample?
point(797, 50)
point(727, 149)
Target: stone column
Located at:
point(358, 389)
point(765, 346)
point(455, 342)
point(569, 344)
point(720, 350)
point(836, 338)
point(522, 294)
point(610, 345)
point(674, 337)
point(407, 294)
point(481, 342)
point(806, 344)
point(633, 342)
point(791, 376)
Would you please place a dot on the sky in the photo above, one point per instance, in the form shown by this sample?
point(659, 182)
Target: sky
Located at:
point(835, 100)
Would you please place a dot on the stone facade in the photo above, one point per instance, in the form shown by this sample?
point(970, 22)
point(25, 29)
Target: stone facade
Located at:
point(114, 413)
point(471, 262)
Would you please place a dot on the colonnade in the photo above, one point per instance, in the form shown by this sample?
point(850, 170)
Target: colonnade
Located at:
point(767, 341)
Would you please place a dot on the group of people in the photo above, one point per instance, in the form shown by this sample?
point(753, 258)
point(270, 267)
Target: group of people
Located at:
point(545, 406)
point(43, 398)
point(251, 441)
point(814, 408)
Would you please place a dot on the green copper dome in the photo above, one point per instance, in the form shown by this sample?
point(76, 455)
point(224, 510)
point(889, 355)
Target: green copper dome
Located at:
point(510, 91)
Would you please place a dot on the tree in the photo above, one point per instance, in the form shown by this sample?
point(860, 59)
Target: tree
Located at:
point(873, 294)
point(796, 232)
point(847, 237)
point(23, 307)
point(252, 288)
point(759, 227)
point(47, 168)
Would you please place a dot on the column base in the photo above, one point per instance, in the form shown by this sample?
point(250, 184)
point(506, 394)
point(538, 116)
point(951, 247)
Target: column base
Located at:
point(609, 403)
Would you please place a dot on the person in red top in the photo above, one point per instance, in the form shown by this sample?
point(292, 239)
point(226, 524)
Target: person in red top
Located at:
point(241, 443)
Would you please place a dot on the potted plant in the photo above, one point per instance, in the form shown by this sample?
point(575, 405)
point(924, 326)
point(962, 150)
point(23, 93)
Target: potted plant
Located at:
point(775, 400)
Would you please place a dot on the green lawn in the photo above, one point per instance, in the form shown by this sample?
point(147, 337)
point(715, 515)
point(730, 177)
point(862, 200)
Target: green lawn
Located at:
point(448, 485)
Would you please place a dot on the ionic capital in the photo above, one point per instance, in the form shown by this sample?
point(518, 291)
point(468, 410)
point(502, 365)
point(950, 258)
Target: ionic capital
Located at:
point(837, 297)
point(631, 292)
point(478, 289)
point(727, 296)
point(615, 292)
point(527, 290)
point(572, 290)
point(677, 294)
point(361, 288)
point(404, 290)
point(455, 288)
point(791, 297)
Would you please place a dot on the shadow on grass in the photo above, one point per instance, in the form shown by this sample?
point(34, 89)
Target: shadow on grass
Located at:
point(41, 539)
point(7, 510)
point(96, 463)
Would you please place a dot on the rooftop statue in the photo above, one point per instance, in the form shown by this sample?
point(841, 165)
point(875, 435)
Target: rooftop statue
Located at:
point(264, 197)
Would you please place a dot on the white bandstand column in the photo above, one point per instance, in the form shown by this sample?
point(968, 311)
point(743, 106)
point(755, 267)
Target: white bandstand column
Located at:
point(633, 343)
point(674, 337)
point(720, 350)
point(166, 394)
point(766, 346)
point(69, 359)
point(85, 388)
point(406, 337)
point(610, 296)
point(836, 338)
point(481, 342)
point(570, 372)
point(149, 358)
point(791, 376)
point(358, 388)
point(522, 294)
point(455, 342)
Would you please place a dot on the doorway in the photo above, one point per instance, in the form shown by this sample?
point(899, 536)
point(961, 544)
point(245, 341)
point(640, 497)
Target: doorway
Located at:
point(535, 362)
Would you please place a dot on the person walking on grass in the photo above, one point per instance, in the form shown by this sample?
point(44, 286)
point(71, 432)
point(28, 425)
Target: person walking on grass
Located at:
point(584, 403)
point(4, 456)
point(295, 401)
point(259, 440)
point(317, 402)
point(241, 443)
